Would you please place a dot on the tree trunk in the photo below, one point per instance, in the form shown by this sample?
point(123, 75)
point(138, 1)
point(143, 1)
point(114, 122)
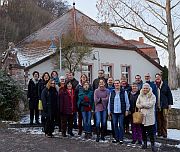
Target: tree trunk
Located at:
point(172, 75)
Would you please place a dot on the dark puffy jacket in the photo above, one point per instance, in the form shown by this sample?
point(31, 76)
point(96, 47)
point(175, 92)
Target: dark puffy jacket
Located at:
point(154, 88)
point(32, 94)
point(49, 100)
point(41, 86)
point(166, 98)
point(67, 106)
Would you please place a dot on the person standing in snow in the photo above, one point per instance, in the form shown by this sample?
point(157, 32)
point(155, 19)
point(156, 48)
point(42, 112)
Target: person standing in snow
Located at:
point(118, 108)
point(146, 103)
point(67, 108)
point(49, 98)
point(85, 104)
point(164, 102)
point(101, 96)
point(136, 128)
point(42, 84)
point(33, 98)
point(78, 89)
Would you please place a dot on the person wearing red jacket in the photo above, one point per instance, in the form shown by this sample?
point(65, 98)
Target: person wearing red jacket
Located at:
point(67, 108)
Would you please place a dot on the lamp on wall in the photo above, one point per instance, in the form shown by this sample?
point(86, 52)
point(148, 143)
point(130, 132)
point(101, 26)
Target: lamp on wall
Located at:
point(94, 58)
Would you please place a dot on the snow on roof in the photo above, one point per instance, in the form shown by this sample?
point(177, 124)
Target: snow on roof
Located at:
point(29, 59)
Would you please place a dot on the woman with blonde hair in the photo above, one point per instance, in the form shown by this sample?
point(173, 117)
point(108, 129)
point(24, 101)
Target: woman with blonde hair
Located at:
point(146, 103)
point(49, 98)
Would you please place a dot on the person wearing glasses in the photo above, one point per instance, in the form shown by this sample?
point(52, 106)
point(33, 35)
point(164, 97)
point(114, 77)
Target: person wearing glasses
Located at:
point(49, 98)
point(96, 81)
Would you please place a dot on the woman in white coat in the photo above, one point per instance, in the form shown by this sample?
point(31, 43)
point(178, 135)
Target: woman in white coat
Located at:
point(146, 103)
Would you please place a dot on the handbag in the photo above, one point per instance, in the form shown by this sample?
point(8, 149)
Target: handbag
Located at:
point(40, 106)
point(137, 117)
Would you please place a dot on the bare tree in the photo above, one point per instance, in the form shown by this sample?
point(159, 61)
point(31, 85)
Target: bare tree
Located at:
point(157, 20)
point(75, 49)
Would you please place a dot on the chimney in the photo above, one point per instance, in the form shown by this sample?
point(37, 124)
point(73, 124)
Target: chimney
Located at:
point(141, 39)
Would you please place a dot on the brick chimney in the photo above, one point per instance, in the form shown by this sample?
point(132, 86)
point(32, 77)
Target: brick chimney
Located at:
point(141, 39)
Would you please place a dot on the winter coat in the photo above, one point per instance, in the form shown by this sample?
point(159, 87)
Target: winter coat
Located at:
point(85, 100)
point(79, 88)
point(32, 94)
point(67, 102)
point(127, 88)
point(96, 82)
point(110, 88)
point(140, 84)
point(101, 97)
point(41, 86)
point(74, 83)
point(132, 101)
point(166, 98)
point(146, 104)
point(154, 88)
point(50, 101)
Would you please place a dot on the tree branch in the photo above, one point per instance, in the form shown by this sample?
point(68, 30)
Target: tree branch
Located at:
point(177, 43)
point(175, 5)
point(134, 28)
point(143, 20)
point(156, 14)
point(156, 3)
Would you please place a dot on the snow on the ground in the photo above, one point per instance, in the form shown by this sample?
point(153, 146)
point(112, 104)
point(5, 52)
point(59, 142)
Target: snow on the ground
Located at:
point(176, 98)
point(173, 134)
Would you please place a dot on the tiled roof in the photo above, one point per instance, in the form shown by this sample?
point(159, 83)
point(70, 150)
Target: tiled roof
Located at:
point(146, 48)
point(35, 48)
point(75, 21)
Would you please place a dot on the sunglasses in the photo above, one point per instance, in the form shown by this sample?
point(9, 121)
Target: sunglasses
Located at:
point(52, 83)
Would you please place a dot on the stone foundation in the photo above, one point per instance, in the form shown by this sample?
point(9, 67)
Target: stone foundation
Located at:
point(174, 119)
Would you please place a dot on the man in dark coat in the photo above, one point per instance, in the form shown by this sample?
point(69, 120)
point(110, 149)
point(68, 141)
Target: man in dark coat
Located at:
point(33, 98)
point(100, 76)
point(164, 102)
point(72, 79)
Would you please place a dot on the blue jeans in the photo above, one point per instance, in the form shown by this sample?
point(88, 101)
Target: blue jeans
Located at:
point(118, 122)
point(87, 121)
point(101, 117)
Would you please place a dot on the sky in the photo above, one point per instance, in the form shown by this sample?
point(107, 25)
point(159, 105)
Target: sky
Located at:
point(88, 7)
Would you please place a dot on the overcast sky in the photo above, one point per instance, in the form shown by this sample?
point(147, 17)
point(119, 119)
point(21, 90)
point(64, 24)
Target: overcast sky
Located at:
point(88, 7)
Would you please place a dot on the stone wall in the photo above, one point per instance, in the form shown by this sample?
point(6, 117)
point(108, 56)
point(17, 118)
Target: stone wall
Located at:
point(174, 119)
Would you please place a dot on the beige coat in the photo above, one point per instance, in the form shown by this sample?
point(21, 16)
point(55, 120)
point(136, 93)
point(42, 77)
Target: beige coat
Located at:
point(146, 103)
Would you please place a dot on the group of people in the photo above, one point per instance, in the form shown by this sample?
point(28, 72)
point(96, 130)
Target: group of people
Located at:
point(70, 104)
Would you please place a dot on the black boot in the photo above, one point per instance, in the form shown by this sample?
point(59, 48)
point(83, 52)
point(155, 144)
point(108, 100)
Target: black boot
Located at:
point(98, 134)
point(153, 148)
point(144, 146)
point(103, 130)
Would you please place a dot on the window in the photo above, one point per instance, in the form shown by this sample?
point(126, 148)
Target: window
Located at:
point(107, 70)
point(125, 72)
point(87, 69)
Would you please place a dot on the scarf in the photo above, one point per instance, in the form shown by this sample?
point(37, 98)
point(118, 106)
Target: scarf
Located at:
point(71, 94)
